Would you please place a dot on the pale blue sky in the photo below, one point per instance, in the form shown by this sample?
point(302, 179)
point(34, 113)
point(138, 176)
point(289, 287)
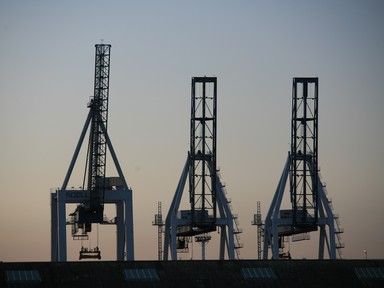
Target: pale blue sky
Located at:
point(255, 48)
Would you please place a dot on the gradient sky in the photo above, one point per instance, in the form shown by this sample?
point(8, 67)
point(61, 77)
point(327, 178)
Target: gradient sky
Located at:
point(255, 48)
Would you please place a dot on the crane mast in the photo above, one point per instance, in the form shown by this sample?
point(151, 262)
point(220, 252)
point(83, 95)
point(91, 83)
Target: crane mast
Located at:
point(92, 210)
point(98, 147)
point(202, 173)
point(304, 154)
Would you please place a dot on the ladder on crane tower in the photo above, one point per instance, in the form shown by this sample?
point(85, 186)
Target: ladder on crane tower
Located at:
point(159, 223)
point(260, 229)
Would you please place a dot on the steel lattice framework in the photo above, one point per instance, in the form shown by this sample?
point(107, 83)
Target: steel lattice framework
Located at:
point(98, 147)
point(202, 173)
point(304, 152)
point(98, 143)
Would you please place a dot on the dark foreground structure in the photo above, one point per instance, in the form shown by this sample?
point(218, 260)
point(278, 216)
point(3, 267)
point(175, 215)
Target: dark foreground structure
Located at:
point(227, 273)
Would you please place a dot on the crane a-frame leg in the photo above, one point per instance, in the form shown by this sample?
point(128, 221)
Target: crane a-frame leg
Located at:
point(173, 222)
point(276, 225)
point(121, 197)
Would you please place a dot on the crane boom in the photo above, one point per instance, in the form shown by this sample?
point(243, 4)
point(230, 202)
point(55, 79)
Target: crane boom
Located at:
point(98, 144)
point(92, 211)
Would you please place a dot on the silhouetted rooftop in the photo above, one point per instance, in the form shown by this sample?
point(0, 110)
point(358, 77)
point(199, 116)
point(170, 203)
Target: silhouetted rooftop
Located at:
point(212, 273)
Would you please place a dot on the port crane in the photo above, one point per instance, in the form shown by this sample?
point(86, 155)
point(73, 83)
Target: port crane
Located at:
point(209, 207)
point(310, 210)
point(97, 189)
